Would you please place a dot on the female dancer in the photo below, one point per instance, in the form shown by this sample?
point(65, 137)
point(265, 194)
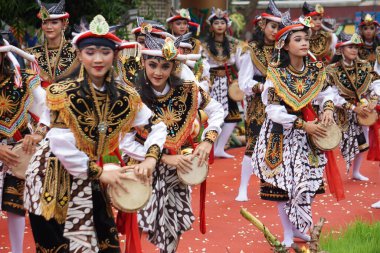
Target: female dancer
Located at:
point(179, 22)
point(223, 53)
point(20, 95)
point(290, 168)
point(56, 57)
point(322, 43)
point(262, 47)
point(89, 114)
point(169, 213)
point(354, 80)
point(368, 28)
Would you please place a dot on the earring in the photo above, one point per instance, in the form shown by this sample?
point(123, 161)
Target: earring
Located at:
point(146, 79)
point(212, 34)
point(110, 74)
point(178, 67)
point(81, 73)
point(277, 62)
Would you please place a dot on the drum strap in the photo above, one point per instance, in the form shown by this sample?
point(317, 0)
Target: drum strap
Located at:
point(126, 223)
point(332, 172)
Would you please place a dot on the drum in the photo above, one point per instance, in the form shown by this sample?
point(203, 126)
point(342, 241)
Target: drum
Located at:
point(196, 176)
point(332, 139)
point(24, 159)
point(137, 196)
point(369, 120)
point(234, 92)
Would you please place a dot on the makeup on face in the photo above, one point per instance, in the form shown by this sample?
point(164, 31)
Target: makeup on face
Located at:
point(158, 72)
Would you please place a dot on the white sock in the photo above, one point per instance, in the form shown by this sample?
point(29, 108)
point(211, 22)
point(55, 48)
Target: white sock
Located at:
point(246, 172)
point(376, 205)
point(286, 224)
point(224, 136)
point(356, 168)
point(300, 235)
point(16, 228)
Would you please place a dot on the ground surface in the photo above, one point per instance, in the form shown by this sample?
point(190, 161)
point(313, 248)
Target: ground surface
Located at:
point(228, 232)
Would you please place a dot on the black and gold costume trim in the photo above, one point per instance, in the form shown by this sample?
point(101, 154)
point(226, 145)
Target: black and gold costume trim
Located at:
point(178, 112)
point(261, 57)
point(76, 109)
point(220, 58)
point(130, 68)
point(67, 61)
point(368, 53)
point(352, 81)
point(15, 102)
point(305, 85)
point(320, 44)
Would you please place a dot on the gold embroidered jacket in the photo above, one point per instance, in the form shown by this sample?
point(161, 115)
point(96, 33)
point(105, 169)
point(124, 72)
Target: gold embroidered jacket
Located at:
point(67, 62)
point(75, 108)
point(177, 110)
point(320, 44)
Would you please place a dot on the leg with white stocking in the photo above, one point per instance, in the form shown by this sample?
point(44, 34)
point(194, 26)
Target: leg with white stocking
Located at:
point(16, 228)
point(224, 136)
point(356, 168)
point(286, 224)
point(246, 172)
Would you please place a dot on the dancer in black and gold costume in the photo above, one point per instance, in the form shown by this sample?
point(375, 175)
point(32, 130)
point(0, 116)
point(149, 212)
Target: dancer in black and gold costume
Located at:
point(224, 54)
point(262, 47)
point(356, 84)
point(56, 57)
point(22, 103)
point(368, 28)
point(290, 168)
point(89, 114)
point(322, 43)
point(168, 214)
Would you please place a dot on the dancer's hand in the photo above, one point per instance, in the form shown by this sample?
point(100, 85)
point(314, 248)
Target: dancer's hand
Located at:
point(181, 162)
point(144, 169)
point(29, 142)
point(202, 151)
point(114, 179)
point(7, 156)
point(315, 129)
point(328, 118)
point(362, 111)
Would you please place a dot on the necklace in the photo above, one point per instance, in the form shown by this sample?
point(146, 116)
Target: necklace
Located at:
point(353, 82)
point(53, 68)
point(102, 119)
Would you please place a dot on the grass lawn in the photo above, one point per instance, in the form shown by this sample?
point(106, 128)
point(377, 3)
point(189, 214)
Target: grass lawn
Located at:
point(357, 237)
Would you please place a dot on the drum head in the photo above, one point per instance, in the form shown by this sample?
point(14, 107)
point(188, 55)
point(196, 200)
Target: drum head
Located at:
point(331, 141)
point(235, 93)
point(24, 159)
point(136, 198)
point(369, 120)
point(196, 176)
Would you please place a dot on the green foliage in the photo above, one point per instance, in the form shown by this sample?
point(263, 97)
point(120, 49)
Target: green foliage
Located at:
point(357, 237)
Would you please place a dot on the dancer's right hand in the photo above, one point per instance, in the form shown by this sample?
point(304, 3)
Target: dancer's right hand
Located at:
point(362, 111)
point(114, 179)
point(181, 162)
point(315, 129)
point(7, 156)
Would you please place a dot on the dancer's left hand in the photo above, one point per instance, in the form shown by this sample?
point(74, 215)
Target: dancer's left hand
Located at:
point(328, 118)
point(144, 169)
point(202, 151)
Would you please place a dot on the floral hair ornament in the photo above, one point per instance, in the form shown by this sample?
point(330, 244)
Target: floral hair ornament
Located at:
point(98, 29)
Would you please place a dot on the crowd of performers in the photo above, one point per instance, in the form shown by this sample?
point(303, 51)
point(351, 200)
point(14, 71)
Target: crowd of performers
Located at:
point(145, 102)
